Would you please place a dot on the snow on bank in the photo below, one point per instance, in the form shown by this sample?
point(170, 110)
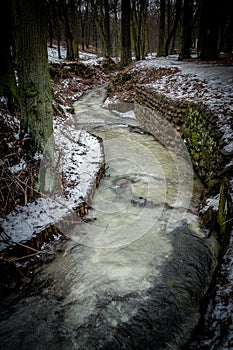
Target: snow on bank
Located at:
point(78, 157)
point(206, 83)
point(86, 57)
point(53, 54)
point(209, 84)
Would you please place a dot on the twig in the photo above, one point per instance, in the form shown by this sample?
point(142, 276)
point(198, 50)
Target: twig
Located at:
point(28, 247)
point(14, 258)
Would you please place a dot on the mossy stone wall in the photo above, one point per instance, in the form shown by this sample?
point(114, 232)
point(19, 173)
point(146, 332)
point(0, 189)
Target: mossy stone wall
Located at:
point(194, 123)
point(171, 120)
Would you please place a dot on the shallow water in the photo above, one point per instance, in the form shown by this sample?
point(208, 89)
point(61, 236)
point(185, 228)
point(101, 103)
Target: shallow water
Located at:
point(132, 274)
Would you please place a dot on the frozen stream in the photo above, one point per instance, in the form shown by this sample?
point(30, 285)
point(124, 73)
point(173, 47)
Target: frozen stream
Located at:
point(132, 274)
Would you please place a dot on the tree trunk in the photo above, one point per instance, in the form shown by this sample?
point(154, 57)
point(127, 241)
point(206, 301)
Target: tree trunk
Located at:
point(107, 35)
point(116, 31)
point(59, 44)
point(7, 75)
point(160, 51)
point(226, 27)
point(101, 17)
point(33, 79)
point(74, 27)
point(186, 30)
point(126, 56)
point(32, 69)
point(50, 23)
point(171, 35)
point(209, 26)
point(139, 31)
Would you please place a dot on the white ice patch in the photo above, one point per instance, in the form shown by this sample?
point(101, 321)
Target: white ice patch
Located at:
point(129, 114)
point(229, 147)
point(18, 167)
point(211, 202)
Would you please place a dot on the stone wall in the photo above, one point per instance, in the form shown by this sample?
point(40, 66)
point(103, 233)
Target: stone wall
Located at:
point(170, 120)
point(185, 127)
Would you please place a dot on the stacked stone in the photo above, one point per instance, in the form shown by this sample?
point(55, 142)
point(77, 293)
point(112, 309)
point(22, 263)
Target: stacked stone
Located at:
point(170, 120)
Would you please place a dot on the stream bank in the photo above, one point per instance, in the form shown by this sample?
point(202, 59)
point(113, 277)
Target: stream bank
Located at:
point(224, 277)
point(135, 262)
point(197, 101)
point(198, 126)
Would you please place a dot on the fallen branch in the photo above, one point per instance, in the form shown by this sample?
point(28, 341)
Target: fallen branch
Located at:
point(14, 258)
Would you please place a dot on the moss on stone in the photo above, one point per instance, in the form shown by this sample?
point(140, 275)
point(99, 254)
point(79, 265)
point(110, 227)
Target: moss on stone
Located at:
point(224, 212)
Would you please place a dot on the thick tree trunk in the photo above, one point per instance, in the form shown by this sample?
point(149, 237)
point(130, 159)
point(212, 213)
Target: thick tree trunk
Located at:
point(126, 56)
point(226, 27)
point(209, 27)
point(186, 30)
point(34, 81)
point(7, 75)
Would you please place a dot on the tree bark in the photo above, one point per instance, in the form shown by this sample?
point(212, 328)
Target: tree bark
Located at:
point(160, 51)
point(29, 20)
point(209, 27)
point(139, 31)
point(171, 35)
point(7, 75)
point(126, 56)
point(32, 68)
point(108, 48)
point(101, 17)
point(226, 27)
point(186, 30)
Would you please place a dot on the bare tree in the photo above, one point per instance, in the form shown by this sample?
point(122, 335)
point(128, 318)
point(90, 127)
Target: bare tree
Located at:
point(139, 13)
point(160, 51)
point(102, 18)
point(126, 55)
point(68, 11)
point(186, 30)
point(172, 33)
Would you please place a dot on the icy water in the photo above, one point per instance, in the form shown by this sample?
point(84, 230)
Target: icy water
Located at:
point(132, 274)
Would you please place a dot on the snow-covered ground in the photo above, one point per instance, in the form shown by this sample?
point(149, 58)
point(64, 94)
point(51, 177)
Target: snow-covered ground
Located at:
point(78, 159)
point(85, 57)
point(206, 83)
point(210, 84)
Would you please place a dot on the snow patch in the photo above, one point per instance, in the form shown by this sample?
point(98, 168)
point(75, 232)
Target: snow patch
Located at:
point(211, 203)
point(79, 157)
